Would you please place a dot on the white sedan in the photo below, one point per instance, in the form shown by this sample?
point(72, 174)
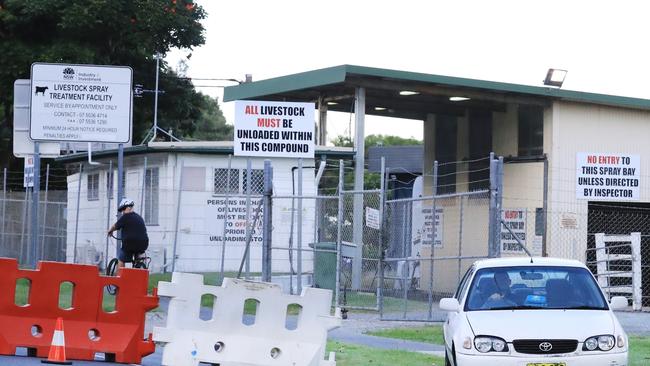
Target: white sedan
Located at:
point(532, 312)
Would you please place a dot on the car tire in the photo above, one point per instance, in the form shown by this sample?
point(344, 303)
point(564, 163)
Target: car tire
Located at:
point(447, 362)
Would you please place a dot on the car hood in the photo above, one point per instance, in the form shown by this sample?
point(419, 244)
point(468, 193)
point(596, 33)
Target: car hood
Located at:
point(541, 324)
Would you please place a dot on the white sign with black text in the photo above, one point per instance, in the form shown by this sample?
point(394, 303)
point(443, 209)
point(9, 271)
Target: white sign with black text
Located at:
point(372, 218)
point(607, 177)
point(426, 232)
point(28, 172)
point(81, 103)
point(236, 219)
point(274, 129)
point(515, 220)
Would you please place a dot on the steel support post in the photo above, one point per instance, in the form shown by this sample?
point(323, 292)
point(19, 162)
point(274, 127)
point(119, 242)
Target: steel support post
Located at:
point(299, 266)
point(35, 202)
point(359, 167)
point(339, 236)
point(267, 239)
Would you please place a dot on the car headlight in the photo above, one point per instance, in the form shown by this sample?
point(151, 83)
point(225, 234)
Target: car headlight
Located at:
point(603, 343)
point(485, 344)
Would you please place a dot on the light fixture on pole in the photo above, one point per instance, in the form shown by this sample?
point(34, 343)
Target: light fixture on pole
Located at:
point(555, 77)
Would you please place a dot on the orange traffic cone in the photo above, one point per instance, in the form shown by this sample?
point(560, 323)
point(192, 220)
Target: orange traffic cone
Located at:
point(57, 350)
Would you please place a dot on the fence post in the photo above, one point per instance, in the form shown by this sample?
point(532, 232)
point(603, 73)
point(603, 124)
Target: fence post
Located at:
point(225, 217)
point(460, 237)
point(178, 214)
point(76, 225)
point(248, 219)
point(23, 254)
point(380, 283)
point(637, 291)
point(109, 194)
point(493, 225)
point(120, 189)
point(299, 277)
point(339, 233)
point(47, 183)
point(267, 228)
point(144, 182)
point(545, 208)
point(434, 193)
point(499, 206)
point(35, 201)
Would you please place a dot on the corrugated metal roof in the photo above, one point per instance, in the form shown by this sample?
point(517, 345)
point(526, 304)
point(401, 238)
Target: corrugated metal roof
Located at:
point(328, 77)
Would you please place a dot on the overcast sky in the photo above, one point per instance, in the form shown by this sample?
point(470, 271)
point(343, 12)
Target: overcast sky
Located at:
point(603, 44)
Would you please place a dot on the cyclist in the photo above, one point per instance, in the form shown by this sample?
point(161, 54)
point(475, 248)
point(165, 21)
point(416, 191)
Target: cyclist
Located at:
point(134, 232)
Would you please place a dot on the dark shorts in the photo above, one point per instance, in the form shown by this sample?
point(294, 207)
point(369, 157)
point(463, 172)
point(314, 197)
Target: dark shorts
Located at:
point(131, 249)
point(127, 256)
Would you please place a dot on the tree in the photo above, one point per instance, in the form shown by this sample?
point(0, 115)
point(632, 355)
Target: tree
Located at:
point(103, 32)
point(211, 124)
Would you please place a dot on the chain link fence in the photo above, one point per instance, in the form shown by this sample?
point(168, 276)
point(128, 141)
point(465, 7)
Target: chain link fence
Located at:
point(16, 206)
point(431, 241)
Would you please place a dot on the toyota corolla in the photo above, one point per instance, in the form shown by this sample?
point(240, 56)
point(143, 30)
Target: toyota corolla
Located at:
point(532, 312)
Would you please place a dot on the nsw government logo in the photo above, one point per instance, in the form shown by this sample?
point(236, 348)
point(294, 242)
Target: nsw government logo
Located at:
point(68, 73)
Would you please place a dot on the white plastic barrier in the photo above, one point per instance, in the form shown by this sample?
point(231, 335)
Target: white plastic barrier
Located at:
point(227, 341)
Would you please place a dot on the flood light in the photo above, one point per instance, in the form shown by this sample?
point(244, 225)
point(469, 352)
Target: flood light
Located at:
point(555, 77)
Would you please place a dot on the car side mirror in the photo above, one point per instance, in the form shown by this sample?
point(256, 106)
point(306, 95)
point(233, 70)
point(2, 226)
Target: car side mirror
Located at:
point(618, 303)
point(449, 304)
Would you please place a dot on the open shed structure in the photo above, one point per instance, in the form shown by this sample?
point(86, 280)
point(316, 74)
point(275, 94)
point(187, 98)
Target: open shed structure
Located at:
point(545, 135)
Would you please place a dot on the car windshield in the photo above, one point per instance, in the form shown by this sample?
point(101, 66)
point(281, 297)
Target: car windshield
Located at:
point(534, 287)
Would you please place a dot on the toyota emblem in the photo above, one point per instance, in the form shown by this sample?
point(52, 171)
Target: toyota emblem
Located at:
point(545, 346)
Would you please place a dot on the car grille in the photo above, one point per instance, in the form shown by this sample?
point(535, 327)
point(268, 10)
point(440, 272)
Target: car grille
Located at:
point(532, 346)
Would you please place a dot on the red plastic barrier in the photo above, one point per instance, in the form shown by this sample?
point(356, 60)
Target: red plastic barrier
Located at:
point(88, 328)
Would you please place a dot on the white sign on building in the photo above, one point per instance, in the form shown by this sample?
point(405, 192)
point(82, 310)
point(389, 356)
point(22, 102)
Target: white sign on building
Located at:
point(274, 129)
point(28, 172)
point(235, 219)
point(515, 219)
point(81, 103)
point(607, 177)
point(426, 231)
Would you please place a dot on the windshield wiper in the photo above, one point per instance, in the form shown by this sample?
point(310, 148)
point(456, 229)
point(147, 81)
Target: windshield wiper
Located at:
point(581, 307)
point(517, 307)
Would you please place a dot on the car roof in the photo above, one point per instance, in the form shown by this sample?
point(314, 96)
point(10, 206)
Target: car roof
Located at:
point(526, 261)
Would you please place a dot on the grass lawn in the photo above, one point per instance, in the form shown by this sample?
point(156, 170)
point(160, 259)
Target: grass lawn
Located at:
point(639, 351)
point(391, 304)
point(354, 355)
point(426, 334)
point(639, 346)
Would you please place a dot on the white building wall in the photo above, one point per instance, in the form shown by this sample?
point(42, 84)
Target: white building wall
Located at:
point(588, 128)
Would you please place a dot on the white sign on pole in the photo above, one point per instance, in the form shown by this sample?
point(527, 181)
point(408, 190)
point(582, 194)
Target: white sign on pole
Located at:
point(607, 177)
point(515, 219)
point(274, 129)
point(28, 172)
point(81, 103)
point(372, 218)
point(23, 145)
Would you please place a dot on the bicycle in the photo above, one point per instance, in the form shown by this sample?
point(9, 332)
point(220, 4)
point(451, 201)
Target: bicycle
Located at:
point(140, 261)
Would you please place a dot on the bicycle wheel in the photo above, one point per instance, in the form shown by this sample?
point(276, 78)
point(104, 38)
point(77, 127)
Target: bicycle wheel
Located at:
point(110, 271)
point(140, 264)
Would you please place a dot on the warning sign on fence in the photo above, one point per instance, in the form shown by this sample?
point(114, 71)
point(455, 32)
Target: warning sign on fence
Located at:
point(274, 129)
point(607, 177)
point(515, 220)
